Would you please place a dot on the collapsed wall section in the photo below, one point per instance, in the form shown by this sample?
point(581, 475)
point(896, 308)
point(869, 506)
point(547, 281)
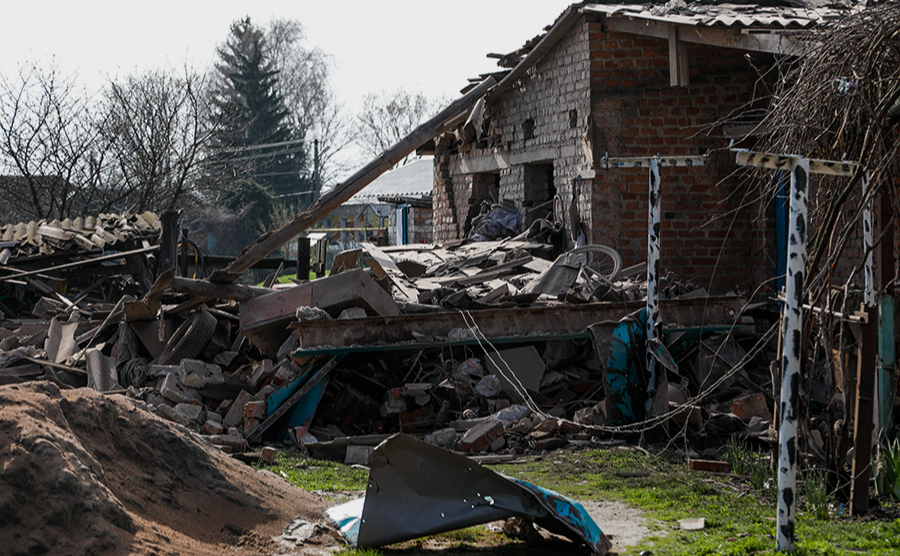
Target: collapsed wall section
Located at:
point(528, 151)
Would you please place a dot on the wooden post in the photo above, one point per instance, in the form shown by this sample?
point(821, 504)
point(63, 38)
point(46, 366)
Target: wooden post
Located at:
point(791, 360)
point(184, 252)
point(302, 258)
point(168, 242)
point(865, 412)
point(654, 216)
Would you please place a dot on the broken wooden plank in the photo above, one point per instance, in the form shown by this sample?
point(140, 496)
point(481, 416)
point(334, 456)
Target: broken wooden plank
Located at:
point(161, 285)
point(345, 260)
point(113, 257)
point(489, 273)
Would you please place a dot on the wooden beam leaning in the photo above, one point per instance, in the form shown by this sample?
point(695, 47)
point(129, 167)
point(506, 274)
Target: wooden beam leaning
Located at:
point(364, 176)
point(235, 292)
point(524, 324)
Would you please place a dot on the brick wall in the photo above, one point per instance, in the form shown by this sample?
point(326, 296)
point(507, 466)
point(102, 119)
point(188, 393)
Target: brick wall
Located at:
point(444, 219)
point(595, 93)
point(538, 122)
point(421, 224)
point(714, 233)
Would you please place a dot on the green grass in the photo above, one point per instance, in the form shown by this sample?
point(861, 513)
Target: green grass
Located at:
point(740, 518)
point(318, 475)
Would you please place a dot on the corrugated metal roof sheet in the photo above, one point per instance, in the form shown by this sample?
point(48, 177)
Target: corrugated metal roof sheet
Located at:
point(415, 179)
point(723, 15)
point(92, 232)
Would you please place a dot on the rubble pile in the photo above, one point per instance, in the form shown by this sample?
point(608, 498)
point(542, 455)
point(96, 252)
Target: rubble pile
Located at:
point(481, 347)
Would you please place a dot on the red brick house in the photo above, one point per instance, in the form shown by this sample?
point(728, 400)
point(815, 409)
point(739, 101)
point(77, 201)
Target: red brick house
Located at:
point(630, 80)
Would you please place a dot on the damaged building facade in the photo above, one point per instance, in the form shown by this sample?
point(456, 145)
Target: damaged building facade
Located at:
point(621, 81)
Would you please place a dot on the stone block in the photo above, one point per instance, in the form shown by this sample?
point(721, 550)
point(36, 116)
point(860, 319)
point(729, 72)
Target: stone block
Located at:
point(173, 390)
point(249, 425)
point(498, 444)
point(197, 374)
point(444, 438)
point(522, 426)
point(268, 455)
point(169, 414)
point(234, 441)
point(548, 425)
point(480, 437)
point(162, 370)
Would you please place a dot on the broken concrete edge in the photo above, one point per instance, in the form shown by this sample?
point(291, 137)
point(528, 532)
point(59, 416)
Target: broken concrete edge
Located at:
point(552, 510)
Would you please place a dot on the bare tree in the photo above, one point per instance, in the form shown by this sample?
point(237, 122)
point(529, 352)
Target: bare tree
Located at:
point(157, 126)
point(315, 113)
point(386, 118)
point(50, 146)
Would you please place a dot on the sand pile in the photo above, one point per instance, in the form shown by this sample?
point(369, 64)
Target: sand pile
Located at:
point(83, 473)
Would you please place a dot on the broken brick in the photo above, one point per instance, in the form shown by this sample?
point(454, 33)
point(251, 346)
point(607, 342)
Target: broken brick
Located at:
point(480, 437)
point(255, 410)
point(236, 410)
point(751, 405)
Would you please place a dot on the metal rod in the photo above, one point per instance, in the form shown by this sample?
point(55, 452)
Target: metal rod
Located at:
point(791, 361)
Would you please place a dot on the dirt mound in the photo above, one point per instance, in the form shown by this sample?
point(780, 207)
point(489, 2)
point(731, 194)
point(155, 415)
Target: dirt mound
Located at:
point(83, 473)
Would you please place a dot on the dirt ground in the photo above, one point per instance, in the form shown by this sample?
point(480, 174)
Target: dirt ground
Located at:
point(83, 473)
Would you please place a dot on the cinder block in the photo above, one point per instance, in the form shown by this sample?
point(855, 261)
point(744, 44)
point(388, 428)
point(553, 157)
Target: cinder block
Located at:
point(191, 411)
point(173, 390)
point(197, 374)
point(359, 455)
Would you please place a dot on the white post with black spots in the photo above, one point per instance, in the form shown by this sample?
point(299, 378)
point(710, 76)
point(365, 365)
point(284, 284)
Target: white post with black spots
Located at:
point(869, 237)
point(654, 218)
point(653, 236)
point(791, 358)
point(792, 325)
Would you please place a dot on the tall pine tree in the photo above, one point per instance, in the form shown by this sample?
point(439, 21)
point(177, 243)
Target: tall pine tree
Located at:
point(257, 155)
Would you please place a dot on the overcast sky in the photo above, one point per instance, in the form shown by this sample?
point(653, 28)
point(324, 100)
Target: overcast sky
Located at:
point(376, 45)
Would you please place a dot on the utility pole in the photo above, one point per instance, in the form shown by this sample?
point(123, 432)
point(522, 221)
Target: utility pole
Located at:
point(315, 170)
